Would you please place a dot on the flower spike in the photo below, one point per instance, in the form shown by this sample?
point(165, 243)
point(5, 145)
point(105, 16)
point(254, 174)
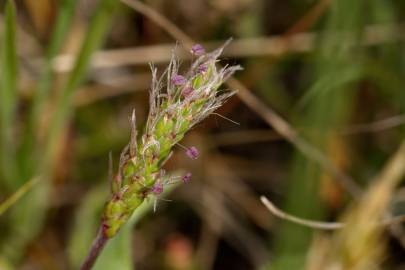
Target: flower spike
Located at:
point(177, 103)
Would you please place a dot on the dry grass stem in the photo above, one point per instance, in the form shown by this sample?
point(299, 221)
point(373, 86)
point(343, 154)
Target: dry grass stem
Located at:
point(247, 47)
point(319, 224)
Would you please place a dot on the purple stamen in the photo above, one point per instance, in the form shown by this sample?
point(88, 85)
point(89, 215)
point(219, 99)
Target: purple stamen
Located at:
point(186, 178)
point(178, 80)
point(202, 69)
point(187, 91)
point(157, 188)
point(197, 50)
point(192, 152)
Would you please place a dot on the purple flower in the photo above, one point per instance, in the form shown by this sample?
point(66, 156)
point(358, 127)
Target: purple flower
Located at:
point(202, 69)
point(186, 178)
point(192, 152)
point(157, 188)
point(197, 49)
point(187, 91)
point(178, 80)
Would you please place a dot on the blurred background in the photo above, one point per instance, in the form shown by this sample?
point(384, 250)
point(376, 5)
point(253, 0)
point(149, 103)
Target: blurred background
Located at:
point(71, 72)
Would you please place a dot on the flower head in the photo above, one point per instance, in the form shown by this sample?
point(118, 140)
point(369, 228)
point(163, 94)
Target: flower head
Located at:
point(202, 68)
point(192, 152)
point(197, 50)
point(157, 188)
point(187, 177)
point(187, 91)
point(178, 80)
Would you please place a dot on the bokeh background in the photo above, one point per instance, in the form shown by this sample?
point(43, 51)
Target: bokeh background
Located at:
point(73, 70)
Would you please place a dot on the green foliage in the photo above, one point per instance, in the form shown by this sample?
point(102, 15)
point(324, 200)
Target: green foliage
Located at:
point(8, 96)
point(32, 208)
point(95, 36)
point(62, 25)
point(333, 73)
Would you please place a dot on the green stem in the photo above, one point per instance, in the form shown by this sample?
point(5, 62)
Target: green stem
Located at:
point(94, 37)
point(98, 245)
point(8, 95)
point(59, 33)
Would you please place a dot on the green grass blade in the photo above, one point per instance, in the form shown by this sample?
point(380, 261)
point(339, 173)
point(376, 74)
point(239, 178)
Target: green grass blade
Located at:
point(94, 38)
point(14, 241)
point(13, 199)
point(333, 82)
point(59, 33)
point(8, 93)
point(27, 151)
point(25, 219)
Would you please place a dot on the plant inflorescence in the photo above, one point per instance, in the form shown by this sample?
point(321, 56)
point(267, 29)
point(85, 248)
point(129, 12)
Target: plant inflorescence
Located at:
point(177, 103)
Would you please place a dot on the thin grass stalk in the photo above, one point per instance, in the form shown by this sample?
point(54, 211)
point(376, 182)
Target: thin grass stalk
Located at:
point(98, 245)
point(13, 199)
point(31, 144)
point(62, 24)
point(94, 38)
point(8, 95)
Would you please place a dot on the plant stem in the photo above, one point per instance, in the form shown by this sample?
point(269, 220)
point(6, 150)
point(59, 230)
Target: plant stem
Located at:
point(8, 97)
point(95, 36)
point(95, 250)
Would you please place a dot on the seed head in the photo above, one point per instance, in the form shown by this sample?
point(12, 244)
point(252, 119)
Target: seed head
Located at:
point(177, 104)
